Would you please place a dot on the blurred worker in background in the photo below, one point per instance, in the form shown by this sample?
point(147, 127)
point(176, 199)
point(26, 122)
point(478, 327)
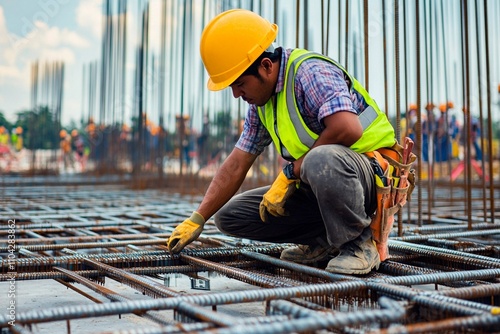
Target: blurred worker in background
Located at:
point(67, 156)
point(320, 120)
point(17, 139)
point(428, 132)
point(6, 154)
point(410, 129)
point(78, 147)
point(4, 136)
point(442, 146)
point(476, 138)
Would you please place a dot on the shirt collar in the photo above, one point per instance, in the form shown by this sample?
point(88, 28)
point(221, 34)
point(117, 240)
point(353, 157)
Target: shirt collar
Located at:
point(281, 76)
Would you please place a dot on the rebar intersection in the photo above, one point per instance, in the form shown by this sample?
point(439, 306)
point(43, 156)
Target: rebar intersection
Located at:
point(441, 277)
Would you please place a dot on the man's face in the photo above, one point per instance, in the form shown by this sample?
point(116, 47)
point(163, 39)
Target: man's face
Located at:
point(253, 89)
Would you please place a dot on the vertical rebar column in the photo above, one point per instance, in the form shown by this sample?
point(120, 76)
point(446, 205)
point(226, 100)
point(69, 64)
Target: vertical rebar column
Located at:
point(346, 60)
point(467, 111)
point(182, 130)
point(488, 106)
point(384, 48)
point(429, 107)
point(161, 90)
point(397, 92)
point(366, 43)
point(480, 92)
point(297, 23)
point(397, 65)
point(419, 108)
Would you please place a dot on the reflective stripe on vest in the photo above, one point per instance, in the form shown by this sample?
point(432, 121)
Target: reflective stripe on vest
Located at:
point(296, 138)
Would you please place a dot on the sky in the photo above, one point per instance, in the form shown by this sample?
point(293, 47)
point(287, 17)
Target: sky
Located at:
point(52, 30)
point(71, 30)
point(45, 30)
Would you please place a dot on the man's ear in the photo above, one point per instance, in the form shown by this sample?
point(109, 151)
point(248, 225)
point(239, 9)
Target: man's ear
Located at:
point(267, 64)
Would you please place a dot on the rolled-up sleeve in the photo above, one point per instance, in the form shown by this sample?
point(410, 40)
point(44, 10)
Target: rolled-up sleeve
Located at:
point(322, 90)
point(254, 137)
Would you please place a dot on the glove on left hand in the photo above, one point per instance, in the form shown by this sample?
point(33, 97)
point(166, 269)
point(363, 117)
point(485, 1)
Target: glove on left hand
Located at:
point(185, 233)
point(274, 199)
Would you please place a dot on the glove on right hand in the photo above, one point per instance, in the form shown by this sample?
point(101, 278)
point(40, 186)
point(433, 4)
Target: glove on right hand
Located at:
point(274, 199)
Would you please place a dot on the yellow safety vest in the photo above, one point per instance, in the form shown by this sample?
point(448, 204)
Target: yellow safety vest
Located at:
point(291, 135)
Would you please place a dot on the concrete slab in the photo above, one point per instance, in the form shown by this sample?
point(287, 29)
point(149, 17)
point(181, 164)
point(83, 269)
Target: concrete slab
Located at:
point(43, 294)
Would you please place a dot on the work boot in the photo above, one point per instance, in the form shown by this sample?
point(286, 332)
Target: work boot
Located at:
point(356, 258)
point(306, 254)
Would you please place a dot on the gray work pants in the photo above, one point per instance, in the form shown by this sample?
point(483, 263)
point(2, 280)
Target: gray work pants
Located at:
point(332, 206)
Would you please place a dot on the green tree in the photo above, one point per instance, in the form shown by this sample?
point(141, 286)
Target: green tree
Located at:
point(223, 129)
point(41, 131)
point(4, 122)
point(496, 130)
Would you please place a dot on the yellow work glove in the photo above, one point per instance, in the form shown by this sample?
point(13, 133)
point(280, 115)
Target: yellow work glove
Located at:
point(274, 199)
point(185, 233)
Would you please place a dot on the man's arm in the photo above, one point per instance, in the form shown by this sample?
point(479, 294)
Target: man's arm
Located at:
point(341, 128)
point(226, 182)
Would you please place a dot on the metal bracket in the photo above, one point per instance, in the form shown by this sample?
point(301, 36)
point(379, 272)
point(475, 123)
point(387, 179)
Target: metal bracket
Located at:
point(200, 283)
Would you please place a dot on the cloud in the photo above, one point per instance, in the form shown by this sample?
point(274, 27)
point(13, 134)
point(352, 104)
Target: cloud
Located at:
point(4, 33)
point(89, 16)
point(38, 41)
point(43, 43)
point(155, 27)
point(8, 73)
point(55, 37)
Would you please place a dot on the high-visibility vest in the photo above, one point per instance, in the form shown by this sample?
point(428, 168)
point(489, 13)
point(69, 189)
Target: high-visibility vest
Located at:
point(291, 135)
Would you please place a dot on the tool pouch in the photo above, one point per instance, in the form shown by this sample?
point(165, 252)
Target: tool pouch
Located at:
point(394, 186)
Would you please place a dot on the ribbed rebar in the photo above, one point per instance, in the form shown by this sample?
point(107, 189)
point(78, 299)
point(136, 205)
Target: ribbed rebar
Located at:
point(311, 323)
point(444, 277)
point(295, 267)
point(88, 311)
point(448, 235)
point(242, 275)
point(440, 253)
point(112, 295)
point(441, 303)
point(458, 324)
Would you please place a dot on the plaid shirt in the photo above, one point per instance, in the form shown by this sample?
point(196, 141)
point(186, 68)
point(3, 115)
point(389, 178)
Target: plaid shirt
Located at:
point(321, 90)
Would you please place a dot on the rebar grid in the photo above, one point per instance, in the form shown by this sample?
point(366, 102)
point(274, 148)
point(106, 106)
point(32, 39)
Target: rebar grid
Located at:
point(440, 277)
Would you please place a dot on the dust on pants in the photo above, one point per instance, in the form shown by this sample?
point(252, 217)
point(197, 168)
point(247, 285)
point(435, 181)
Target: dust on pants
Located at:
point(331, 207)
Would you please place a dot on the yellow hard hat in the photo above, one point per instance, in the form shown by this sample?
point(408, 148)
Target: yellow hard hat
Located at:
point(231, 42)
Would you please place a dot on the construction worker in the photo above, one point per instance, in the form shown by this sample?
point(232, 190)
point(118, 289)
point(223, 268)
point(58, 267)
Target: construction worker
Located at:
point(320, 119)
point(4, 136)
point(78, 147)
point(411, 122)
point(5, 149)
point(67, 156)
point(19, 142)
point(442, 143)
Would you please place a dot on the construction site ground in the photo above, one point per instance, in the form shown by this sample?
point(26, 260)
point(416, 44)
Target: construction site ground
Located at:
point(90, 257)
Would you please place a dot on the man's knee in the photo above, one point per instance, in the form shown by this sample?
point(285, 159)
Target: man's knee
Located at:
point(223, 221)
point(219, 220)
point(324, 162)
